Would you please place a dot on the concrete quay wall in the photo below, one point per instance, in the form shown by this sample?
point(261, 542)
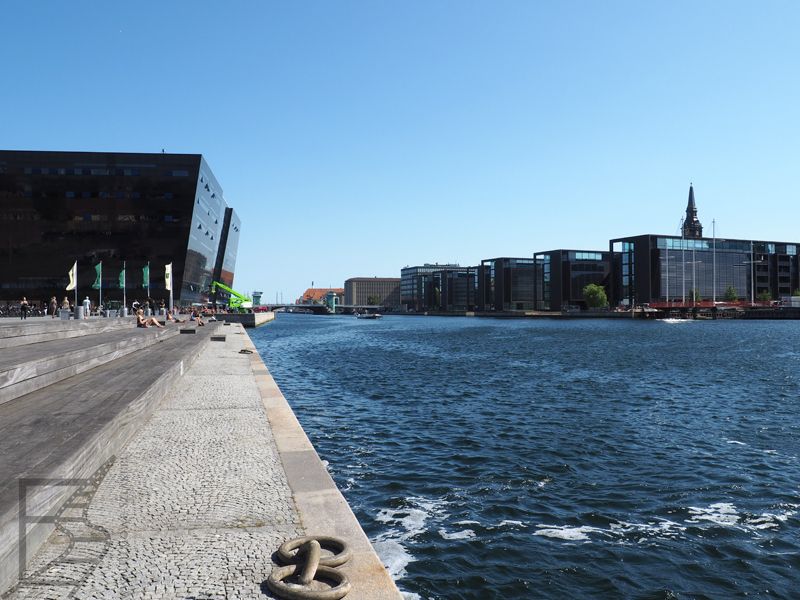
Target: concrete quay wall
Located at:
point(322, 508)
point(248, 319)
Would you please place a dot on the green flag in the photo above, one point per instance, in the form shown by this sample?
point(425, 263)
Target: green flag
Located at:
point(146, 275)
point(98, 268)
point(122, 278)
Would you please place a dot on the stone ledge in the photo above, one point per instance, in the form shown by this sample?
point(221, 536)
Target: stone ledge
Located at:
point(322, 507)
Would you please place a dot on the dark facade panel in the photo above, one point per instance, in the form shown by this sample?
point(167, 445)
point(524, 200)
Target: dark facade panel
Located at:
point(60, 207)
point(414, 283)
point(652, 268)
point(561, 276)
point(506, 284)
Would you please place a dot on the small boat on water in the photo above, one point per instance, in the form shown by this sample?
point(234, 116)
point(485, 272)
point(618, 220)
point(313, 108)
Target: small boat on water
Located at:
point(368, 315)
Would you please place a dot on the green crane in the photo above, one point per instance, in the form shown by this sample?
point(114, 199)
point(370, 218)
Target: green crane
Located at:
point(236, 300)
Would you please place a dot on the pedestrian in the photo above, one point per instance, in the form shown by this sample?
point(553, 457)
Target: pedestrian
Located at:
point(53, 307)
point(23, 308)
point(87, 305)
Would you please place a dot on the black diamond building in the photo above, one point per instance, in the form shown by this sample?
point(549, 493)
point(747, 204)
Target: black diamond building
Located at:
point(60, 207)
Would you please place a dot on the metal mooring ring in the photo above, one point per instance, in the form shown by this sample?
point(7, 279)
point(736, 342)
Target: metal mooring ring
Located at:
point(288, 551)
point(298, 592)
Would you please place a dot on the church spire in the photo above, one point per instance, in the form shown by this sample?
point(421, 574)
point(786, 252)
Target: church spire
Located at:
point(692, 228)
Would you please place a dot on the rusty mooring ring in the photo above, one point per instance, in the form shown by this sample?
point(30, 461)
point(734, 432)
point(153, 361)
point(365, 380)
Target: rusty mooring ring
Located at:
point(297, 592)
point(341, 551)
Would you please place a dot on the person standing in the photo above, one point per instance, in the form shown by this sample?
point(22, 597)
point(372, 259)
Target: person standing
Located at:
point(53, 307)
point(87, 305)
point(23, 308)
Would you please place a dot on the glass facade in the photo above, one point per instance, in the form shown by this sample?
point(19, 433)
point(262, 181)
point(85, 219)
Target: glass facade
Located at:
point(60, 207)
point(544, 280)
point(561, 276)
point(671, 269)
point(413, 284)
point(208, 221)
point(506, 284)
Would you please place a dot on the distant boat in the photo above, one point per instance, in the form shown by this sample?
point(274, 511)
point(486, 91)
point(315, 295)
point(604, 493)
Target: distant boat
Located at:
point(368, 315)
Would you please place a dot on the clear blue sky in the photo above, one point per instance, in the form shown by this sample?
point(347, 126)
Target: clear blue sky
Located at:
point(354, 138)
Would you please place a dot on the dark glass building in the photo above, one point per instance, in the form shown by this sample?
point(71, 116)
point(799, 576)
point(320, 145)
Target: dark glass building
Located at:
point(414, 285)
point(60, 207)
point(561, 276)
point(658, 268)
point(458, 289)
point(449, 289)
point(506, 284)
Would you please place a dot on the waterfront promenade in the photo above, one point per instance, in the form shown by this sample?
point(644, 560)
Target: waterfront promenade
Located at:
point(195, 499)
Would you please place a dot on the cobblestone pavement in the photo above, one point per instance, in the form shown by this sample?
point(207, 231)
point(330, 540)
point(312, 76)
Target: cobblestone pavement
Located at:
point(193, 507)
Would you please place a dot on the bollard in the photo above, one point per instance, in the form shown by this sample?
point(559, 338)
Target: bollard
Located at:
point(64, 314)
point(124, 311)
point(78, 312)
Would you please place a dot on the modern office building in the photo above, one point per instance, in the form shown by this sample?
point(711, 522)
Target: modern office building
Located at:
point(412, 286)
point(648, 269)
point(561, 276)
point(381, 291)
point(458, 289)
point(448, 289)
point(506, 284)
point(659, 268)
point(138, 209)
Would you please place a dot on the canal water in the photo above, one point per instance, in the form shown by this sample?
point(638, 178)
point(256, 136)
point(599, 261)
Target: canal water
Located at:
point(558, 459)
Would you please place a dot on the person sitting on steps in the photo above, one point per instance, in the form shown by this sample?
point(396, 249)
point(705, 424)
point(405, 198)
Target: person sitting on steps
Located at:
point(170, 317)
point(142, 321)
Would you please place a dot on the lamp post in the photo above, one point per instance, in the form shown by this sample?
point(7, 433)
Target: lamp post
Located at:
point(752, 262)
point(683, 266)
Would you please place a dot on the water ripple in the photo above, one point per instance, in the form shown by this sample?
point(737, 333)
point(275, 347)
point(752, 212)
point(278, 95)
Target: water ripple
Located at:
point(547, 459)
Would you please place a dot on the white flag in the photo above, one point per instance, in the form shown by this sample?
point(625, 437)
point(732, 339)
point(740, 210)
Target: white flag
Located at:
point(73, 277)
point(168, 276)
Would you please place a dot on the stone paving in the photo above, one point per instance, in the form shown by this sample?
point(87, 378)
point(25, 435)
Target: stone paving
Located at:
point(193, 507)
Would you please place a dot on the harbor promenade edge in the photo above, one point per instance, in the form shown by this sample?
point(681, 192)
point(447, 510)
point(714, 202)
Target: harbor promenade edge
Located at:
point(194, 500)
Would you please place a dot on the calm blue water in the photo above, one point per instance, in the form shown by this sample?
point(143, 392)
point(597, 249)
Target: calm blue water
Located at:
point(545, 459)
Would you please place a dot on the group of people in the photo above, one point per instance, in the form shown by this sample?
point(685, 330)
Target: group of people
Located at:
point(142, 320)
point(25, 307)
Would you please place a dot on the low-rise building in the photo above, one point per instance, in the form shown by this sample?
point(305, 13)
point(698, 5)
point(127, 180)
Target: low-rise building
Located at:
point(413, 284)
point(651, 268)
point(373, 291)
point(506, 284)
point(561, 276)
point(319, 295)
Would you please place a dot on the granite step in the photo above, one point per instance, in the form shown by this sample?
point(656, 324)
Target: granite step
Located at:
point(30, 367)
point(69, 429)
point(18, 332)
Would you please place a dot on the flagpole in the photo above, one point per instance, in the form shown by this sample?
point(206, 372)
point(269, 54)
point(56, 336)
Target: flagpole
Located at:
point(100, 302)
point(124, 281)
point(76, 289)
point(171, 305)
